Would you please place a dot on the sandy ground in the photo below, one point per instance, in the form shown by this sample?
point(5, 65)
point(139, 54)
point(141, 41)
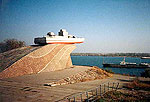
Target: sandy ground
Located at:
point(30, 88)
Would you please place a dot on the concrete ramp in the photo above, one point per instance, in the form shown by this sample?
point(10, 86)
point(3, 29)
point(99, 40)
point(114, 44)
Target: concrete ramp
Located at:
point(45, 59)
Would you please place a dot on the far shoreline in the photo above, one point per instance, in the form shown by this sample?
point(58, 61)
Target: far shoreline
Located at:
point(140, 55)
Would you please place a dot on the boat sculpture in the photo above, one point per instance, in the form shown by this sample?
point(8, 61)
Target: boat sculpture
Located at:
point(62, 38)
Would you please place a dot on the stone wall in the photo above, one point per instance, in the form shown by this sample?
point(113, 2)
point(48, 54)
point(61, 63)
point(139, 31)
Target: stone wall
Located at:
point(50, 57)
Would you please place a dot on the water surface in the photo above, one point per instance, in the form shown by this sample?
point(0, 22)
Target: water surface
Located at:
point(98, 60)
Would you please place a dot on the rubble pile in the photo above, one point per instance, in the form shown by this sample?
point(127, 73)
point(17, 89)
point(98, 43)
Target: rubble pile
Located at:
point(91, 74)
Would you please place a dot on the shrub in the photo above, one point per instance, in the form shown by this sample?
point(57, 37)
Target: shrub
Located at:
point(138, 85)
point(146, 73)
point(10, 44)
point(109, 71)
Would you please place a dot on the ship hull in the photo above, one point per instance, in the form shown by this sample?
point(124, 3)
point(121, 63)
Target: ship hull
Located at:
point(59, 40)
point(125, 66)
point(63, 42)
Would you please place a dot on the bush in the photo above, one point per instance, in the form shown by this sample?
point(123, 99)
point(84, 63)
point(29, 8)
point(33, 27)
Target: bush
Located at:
point(138, 85)
point(10, 44)
point(109, 71)
point(146, 73)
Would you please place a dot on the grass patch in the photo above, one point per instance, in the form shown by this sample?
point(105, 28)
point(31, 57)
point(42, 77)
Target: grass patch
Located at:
point(136, 91)
point(138, 85)
point(118, 96)
point(146, 73)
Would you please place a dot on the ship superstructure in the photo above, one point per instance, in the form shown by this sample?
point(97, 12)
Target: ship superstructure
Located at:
point(63, 37)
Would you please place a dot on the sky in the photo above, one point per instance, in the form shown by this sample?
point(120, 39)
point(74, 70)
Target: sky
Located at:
point(108, 26)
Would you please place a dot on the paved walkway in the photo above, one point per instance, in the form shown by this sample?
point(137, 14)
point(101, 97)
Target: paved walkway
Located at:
point(30, 88)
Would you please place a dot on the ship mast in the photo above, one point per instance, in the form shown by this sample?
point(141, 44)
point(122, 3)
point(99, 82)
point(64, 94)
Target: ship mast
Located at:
point(124, 59)
point(103, 59)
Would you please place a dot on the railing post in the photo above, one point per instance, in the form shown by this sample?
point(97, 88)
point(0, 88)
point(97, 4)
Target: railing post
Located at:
point(117, 86)
point(92, 93)
point(108, 86)
point(74, 99)
point(87, 96)
point(96, 92)
point(81, 97)
point(100, 90)
point(104, 88)
point(113, 86)
point(68, 99)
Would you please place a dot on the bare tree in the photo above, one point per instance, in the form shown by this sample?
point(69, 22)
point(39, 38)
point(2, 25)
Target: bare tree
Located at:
point(10, 44)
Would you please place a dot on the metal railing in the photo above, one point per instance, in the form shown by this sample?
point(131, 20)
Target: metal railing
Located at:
point(91, 95)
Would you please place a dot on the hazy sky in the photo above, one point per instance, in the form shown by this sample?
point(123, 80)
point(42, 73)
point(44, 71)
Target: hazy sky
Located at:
point(106, 25)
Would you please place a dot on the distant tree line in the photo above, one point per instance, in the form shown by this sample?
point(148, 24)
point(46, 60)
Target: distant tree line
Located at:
point(10, 44)
point(113, 54)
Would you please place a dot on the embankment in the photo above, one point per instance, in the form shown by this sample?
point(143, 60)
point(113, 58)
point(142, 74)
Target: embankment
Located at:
point(45, 59)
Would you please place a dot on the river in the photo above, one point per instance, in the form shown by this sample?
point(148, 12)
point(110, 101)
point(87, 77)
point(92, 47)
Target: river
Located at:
point(98, 60)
